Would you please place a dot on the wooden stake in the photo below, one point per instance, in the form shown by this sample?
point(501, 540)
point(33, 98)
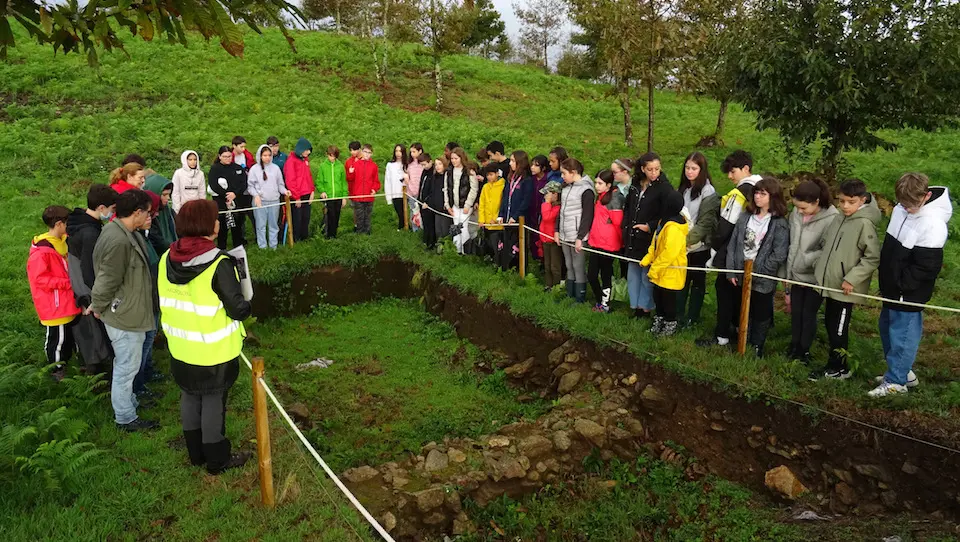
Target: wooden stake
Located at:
point(523, 247)
point(289, 221)
point(406, 210)
point(263, 433)
point(745, 306)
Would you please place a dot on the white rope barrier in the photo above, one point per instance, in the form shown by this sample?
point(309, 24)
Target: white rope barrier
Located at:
point(336, 480)
point(294, 202)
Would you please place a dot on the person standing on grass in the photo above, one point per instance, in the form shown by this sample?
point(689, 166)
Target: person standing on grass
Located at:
point(350, 167)
point(622, 169)
point(538, 172)
point(460, 194)
point(298, 180)
point(483, 158)
point(515, 203)
point(497, 153)
point(123, 299)
point(849, 253)
point(134, 158)
point(241, 156)
point(703, 204)
point(491, 196)
point(365, 185)
point(642, 215)
point(552, 253)
point(432, 192)
point(279, 157)
point(333, 184)
point(605, 236)
point(813, 213)
point(394, 177)
point(667, 258)
point(555, 158)
point(163, 230)
point(267, 187)
point(911, 259)
point(573, 225)
point(738, 167)
point(414, 175)
point(762, 234)
point(146, 372)
point(228, 182)
point(203, 311)
point(188, 181)
point(127, 177)
point(448, 149)
point(49, 278)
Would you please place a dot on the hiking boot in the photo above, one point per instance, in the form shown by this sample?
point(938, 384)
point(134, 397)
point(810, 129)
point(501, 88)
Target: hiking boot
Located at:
point(887, 388)
point(219, 458)
point(912, 380)
point(194, 441)
point(138, 425)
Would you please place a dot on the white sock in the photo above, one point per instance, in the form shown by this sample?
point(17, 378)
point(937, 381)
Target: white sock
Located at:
point(723, 342)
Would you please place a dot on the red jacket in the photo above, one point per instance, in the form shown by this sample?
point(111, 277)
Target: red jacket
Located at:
point(605, 232)
point(50, 281)
point(366, 179)
point(548, 221)
point(297, 177)
point(122, 186)
point(249, 157)
point(352, 161)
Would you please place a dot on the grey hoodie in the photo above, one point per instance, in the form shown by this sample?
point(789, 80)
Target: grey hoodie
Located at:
point(269, 189)
point(188, 184)
point(805, 243)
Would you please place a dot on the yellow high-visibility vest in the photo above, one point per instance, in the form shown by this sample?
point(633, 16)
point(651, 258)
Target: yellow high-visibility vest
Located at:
point(192, 317)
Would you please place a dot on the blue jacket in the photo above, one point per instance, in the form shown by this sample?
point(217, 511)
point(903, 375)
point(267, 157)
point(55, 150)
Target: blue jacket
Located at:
point(279, 159)
point(516, 204)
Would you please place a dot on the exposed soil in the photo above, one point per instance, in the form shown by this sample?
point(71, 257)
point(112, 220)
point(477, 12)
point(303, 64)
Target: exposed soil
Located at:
point(737, 439)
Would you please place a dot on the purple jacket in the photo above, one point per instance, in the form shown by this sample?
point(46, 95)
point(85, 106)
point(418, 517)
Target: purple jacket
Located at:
point(533, 214)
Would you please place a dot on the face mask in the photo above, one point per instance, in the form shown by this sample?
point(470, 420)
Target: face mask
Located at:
point(107, 216)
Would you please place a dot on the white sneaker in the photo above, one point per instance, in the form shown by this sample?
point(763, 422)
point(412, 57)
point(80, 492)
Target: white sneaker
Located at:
point(887, 388)
point(912, 380)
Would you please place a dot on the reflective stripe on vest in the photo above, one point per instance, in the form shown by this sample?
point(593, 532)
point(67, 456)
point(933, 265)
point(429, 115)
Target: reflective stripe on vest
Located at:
point(192, 317)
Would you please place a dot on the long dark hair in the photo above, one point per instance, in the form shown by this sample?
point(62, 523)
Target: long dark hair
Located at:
point(813, 191)
point(695, 186)
point(266, 148)
point(606, 176)
point(543, 162)
point(221, 150)
point(638, 175)
point(561, 155)
point(778, 204)
point(404, 158)
point(523, 164)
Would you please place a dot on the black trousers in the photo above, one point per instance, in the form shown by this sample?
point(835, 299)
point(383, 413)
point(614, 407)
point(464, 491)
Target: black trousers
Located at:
point(666, 302)
point(697, 279)
point(600, 275)
point(429, 227)
point(59, 344)
point(332, 217)
point(301, 218)
point(761, 317)
point(238, 231)
point(804, 306)
point(207, 412)
point(509, 255)
point(398, 207)
point(837, 316)
point(728, 307)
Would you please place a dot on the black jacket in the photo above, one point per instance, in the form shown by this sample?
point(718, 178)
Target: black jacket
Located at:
point(216, 378)
point(236, 183)
point(431, 189)
point(459, 199)
point(648, 209)
point(82, 233)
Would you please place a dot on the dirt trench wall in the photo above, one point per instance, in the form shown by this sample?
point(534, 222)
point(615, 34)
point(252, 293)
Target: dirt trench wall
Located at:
point(848, 468)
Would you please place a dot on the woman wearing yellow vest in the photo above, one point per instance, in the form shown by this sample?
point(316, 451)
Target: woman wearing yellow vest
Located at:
point(201, 310)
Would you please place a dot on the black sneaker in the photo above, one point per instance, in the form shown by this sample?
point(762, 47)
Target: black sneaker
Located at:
point(838, 374)
point(706, 342)
point(791, 353)
point(815, 375)
point(236, 460)
point(139, 425)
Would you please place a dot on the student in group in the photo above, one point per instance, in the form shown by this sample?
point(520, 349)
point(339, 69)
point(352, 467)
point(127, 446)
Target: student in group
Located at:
point(573, 226)
point(555, 158)
point(910, 261)
point(298, 179)
point(848, 252)
point(738, 168)
point(642, 215)
point(394, 177)
point(703, 204)
point(762, 234)
point(163, 229)
point(188, 181)
point(606, 236)
point(241, 156)
point(515, 203)
point(127, 177)
point(538, 172)
point(491, 196)
point(460, 195)
point(666, 259)
point(123, 299)
point(279, 157)
point(813, 213)
point(333, 184)
point(365, 185)
point(53, 298)
point(354, 148)
point(552, 253)
point(448, 149)
point(146, 372)
point(498, 156)
point(433, 191)
point(83, 231)
point(267, 186)
point(414, 175)
point(228, 181)
point(483, 157)
point(622, 169)
point(134, 158)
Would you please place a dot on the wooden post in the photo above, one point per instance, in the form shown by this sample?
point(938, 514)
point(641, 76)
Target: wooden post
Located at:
point(523, 247)
point(406, 210)
point(289, 221)
point(745, 306)
point(263, 434)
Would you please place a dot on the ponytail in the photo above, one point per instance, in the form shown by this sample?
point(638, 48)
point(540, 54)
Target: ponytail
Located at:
point(124, 172)
point(814, 191)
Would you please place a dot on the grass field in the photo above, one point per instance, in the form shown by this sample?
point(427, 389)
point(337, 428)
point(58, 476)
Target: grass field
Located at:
point(64, 126)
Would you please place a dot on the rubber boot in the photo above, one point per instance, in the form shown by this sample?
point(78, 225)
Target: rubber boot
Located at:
point(571, 290)
point(696, 304)
point(580, 291)
point(219, 458)
point(194, 440)
point(669, 328)
point(757, 335)
point(657, 327)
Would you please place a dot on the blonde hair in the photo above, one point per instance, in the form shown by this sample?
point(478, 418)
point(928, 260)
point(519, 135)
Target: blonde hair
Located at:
point(912, 188)
point(125, 172)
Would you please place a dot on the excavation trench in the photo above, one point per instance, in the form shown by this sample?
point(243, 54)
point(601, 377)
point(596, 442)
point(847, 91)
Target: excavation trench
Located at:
point(851, 468)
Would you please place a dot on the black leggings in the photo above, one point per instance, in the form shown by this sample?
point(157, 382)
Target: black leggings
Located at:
point(804, 305)
point(398, 207)
point(666, 302)
point(697, 279)
point(600, 274)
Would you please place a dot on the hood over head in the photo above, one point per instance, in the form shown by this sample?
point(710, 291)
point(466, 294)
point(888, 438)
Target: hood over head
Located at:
point(157, 183)
point(183, 160)
point(302, 146)
point(672, 207)
point(259, 154)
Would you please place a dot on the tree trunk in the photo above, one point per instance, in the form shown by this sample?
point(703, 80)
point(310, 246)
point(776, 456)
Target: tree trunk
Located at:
point(721, 121)
point(625, 105)
point(649, 116)
point(546, 64)
point(438, 81)
point(339, 26)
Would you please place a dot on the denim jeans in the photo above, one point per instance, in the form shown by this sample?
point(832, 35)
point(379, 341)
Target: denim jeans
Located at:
point(127, 354)
point(639, 287)
point(900, 333)
point(267, 223)
point(146, 364)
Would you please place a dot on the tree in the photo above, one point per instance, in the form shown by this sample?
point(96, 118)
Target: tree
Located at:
point(541, 22)
point(343, 16)
point(841, 70)
point(444, 30)
point(577, 64)
point(485, 30)
point(72, 27)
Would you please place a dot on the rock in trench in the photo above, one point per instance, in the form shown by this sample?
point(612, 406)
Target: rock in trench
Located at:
point(591, 431)
point(783, 481)
point(568, 382)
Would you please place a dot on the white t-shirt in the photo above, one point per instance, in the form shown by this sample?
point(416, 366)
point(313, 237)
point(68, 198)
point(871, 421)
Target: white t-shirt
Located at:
point(756, 230)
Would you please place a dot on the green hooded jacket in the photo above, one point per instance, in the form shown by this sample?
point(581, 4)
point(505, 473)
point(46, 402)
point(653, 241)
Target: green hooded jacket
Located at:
point(850, 252)
point(333, 179)
point(164, 222)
